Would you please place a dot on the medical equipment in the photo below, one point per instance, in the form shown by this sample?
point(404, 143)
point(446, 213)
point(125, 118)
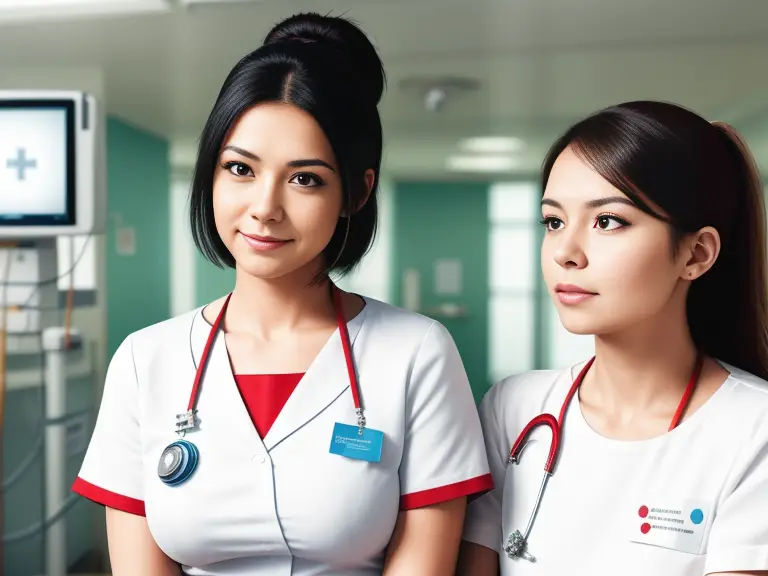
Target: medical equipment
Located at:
point(53, 184)
point(180, 458)
point(57, 342)
point(50, 156)
point(517, 542)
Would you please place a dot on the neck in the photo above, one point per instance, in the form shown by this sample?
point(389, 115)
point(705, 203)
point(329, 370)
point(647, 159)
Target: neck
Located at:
point(268, 307)
point(643, 368)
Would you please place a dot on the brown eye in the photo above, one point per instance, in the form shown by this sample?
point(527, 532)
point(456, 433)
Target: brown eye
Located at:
point(609, 223)
point(306, 180)
point(238, 169)
point(551, 223)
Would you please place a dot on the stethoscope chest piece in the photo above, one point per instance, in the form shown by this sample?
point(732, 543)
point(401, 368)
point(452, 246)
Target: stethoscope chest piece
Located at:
point(515, 547)
point(177, 462)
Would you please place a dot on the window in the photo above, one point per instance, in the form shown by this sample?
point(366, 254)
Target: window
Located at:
point(514, 278)
point(512, 341)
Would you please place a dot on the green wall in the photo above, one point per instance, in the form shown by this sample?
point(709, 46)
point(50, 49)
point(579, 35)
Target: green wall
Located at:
point(447, 220)
point(211, 282)
point(138, 183)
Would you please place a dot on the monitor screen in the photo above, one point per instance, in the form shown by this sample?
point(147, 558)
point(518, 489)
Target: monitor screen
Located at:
point(37, 163)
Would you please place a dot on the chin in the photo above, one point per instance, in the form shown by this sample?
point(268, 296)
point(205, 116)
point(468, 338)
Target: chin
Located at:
point(273, 268)
point(590, 325)
point(580, 328)
point(581, 322)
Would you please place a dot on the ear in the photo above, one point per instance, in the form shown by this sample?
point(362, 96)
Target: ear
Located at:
point(370, 179)
point(702, 251)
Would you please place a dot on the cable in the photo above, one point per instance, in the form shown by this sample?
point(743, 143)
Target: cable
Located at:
point(70, 296)
point(42, 526)
point(39, 442)
point(54, 279)
point(3, 364)
point(7, 483)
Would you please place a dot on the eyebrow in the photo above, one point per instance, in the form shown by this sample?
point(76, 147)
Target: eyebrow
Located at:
point(303, 163)
point(593, 203)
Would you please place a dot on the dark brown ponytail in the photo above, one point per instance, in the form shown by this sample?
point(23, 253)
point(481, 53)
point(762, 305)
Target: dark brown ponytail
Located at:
point(728, 306)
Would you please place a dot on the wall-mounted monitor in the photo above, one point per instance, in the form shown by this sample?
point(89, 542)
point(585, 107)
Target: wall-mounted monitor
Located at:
point(50, 163)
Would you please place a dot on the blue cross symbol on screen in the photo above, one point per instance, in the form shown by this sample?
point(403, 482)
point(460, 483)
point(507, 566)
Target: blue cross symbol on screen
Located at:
point(21, 164)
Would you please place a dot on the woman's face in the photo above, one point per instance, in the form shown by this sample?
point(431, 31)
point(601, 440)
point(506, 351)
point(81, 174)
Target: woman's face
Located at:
point(607, 265)
point(277, 194)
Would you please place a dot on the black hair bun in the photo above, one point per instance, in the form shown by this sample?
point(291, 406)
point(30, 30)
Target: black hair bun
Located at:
point(343, 35)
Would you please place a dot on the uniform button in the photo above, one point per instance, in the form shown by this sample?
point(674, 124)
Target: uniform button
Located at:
point(259, 458)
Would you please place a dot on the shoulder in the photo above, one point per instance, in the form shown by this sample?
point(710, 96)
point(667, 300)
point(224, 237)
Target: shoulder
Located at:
point(406, 328)
point(161, 335)
point(748, 385)
point(388, 316)
point(533, 386)
point(519, 397)
point(743, 400)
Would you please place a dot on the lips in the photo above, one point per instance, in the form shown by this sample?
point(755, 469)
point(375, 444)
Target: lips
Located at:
point(572, 295)
point(260, 243)
point(259, 238)
point(573, 289)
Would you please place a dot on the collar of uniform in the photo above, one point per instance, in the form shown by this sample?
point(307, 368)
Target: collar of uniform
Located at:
point(324, 381)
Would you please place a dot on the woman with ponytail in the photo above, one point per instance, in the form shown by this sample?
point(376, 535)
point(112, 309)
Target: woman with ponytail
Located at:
point(320, 432)
point(655, 244)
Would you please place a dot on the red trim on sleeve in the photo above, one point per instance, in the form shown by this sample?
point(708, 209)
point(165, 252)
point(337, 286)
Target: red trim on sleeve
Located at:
point(107, 498)
point(445, 493)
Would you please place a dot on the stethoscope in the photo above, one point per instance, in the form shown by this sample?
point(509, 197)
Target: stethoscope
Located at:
point(517, 542)
point(179, 460)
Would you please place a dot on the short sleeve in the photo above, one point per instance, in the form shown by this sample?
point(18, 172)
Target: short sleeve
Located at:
point(443, 451)
point(738, 539)
point(111, 471)
point(483, 520)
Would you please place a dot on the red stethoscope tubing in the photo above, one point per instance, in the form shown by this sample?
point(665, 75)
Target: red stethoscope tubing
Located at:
point(345, 345)
point(517, 542)
point(556, 425)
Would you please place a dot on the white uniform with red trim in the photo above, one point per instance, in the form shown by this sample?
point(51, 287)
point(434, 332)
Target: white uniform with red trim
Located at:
point(690, 502)
point(286, 505)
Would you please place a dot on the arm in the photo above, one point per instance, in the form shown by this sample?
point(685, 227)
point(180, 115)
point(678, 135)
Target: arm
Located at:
point(443, 462)
point(477, 560)
point(481, 540)
point(132, 550)
point(425, 540)
point(738, 538)
point(111, 472)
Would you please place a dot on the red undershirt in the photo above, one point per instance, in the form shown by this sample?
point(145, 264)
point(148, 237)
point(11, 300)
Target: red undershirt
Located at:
point(265, 395)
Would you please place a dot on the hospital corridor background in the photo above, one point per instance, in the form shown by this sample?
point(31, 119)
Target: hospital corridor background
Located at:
point(477, 91)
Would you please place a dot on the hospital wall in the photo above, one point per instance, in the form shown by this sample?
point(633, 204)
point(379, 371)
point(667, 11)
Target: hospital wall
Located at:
point(440, 263)
point(138, 277)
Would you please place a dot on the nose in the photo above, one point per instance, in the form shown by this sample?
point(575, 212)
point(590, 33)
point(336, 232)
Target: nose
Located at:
point(569, 252)
point(267, 200)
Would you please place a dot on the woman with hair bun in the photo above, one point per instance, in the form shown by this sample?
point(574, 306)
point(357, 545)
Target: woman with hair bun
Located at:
point(288, 428)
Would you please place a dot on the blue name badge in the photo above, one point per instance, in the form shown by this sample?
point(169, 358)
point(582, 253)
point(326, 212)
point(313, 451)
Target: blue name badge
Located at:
point(347, 442)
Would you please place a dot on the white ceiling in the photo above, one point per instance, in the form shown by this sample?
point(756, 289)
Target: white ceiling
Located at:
point(541, 64)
